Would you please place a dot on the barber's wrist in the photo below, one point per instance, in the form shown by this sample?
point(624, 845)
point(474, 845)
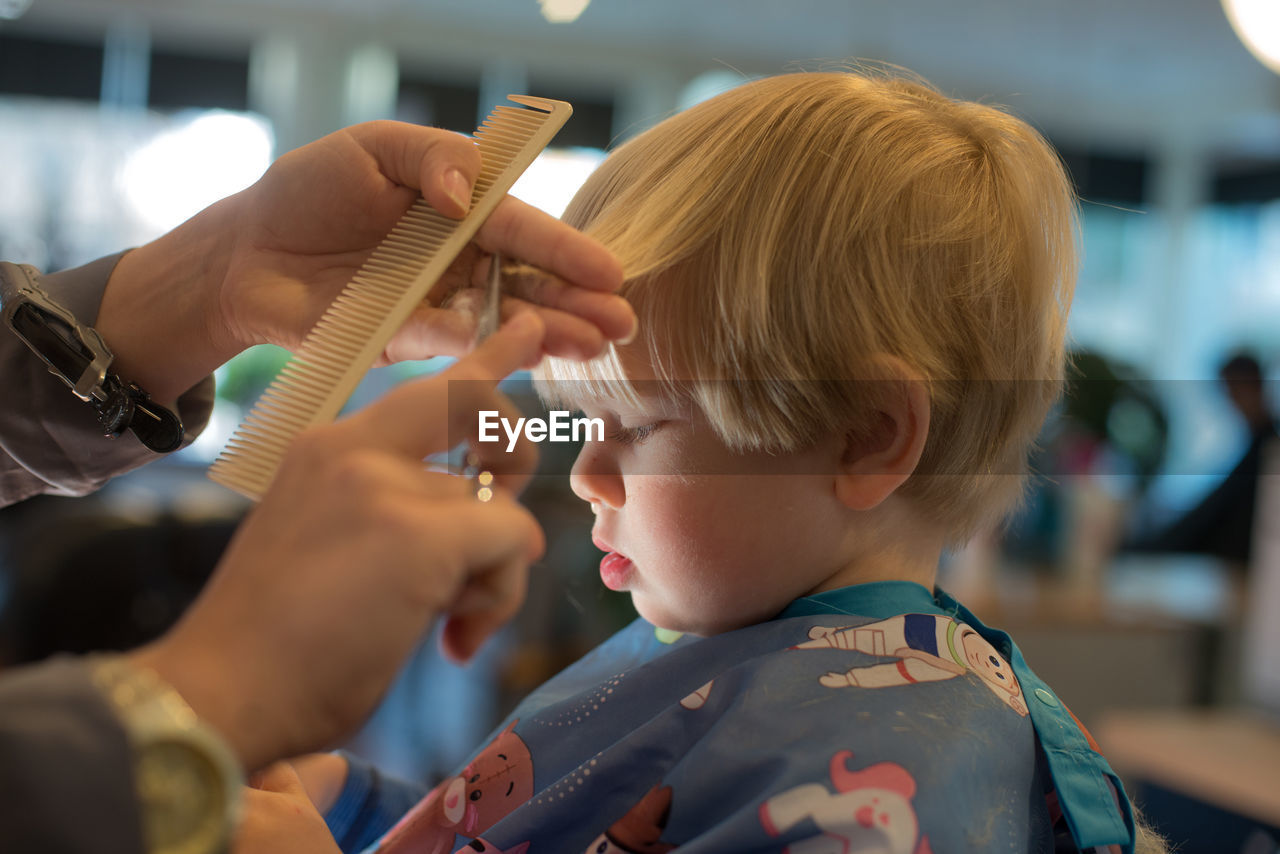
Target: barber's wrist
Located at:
point(224, 702)
point(160, 311)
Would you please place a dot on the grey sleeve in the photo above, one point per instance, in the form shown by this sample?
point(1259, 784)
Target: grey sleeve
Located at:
point(66, 779)
point(50, 442)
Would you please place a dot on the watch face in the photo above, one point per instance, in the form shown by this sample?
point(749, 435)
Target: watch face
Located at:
point(184, 794)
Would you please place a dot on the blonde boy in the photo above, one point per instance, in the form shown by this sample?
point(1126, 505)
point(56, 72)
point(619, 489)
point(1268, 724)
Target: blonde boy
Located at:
point(853, 295)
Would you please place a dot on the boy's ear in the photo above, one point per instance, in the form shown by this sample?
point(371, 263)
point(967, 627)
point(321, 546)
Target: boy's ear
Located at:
point(878, 459)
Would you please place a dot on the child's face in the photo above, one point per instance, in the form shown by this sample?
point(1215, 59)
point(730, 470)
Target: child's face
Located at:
point(704, 538)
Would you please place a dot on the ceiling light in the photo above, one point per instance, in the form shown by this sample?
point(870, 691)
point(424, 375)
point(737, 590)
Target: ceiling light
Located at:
point(13, 9)
point(562, 11)
point(1257, 23)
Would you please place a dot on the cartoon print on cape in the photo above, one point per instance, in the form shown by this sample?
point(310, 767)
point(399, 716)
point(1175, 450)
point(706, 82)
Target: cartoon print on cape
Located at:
point(639, 830)
point(697, 699)
point(493, 784)
point(870, 811)
point(929, 648)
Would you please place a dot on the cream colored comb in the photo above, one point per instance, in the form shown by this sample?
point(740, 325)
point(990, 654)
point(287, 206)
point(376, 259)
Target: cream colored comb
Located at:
point(355, 329)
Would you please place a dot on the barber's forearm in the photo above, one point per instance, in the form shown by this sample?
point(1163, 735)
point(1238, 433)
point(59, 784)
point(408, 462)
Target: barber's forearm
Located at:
point(160, 313)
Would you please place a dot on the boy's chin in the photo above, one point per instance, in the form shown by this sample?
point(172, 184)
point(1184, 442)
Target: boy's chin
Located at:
point(663, 620)
point(674, 625)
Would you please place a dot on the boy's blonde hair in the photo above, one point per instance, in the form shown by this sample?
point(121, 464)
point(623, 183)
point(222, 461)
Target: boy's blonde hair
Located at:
point(793, 229)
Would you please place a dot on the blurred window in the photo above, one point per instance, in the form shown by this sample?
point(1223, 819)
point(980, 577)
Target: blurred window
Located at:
point(183, 80)
point(592, 122)
point(1111, 177)
point(1228, 299)
point(47, 68)
point(441, 103)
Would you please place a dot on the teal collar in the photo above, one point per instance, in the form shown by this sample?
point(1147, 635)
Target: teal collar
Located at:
point(879, 600)
point(1089, 792)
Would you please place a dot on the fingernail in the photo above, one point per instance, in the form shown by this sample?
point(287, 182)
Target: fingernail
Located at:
point(630, 336)
point(458, 188)
point(522, 321)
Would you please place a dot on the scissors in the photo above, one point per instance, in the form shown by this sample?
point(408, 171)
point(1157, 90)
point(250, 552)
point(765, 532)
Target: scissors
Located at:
point(486, 325)
point(490, 312)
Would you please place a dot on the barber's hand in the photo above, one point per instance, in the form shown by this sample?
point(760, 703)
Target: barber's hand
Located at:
point(318, 212)
point(264, 264)
point(353, 552)
point(279, 817)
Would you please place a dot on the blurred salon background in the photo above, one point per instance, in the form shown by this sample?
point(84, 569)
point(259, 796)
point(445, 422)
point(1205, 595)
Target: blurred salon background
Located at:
point(1142, 578)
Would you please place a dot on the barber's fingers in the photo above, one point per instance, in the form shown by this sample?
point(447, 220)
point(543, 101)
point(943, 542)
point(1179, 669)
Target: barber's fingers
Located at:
point(439, 514)
point(610, 314)
point(496, 541)
point(432, 331)
point(486, 534)
point(419, 418)
point(568, 335)
point(434, 161)
point(487, 602)
point(441, 164)
point(443, 549)
point(518, 230)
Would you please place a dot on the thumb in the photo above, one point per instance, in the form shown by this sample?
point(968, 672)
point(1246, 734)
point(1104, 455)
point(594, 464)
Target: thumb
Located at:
point(279, 777)
point(481, 612)
point(462, 636)
point(441, 164)
point(408, 419)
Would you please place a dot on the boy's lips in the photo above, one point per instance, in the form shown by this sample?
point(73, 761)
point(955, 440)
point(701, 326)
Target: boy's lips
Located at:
point(615, 567)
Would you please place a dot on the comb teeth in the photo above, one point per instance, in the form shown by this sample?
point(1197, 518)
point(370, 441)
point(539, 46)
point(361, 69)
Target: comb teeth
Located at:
point(354, 330)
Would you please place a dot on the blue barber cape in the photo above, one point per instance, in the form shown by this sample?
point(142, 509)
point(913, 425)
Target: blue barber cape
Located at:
point(879, 717)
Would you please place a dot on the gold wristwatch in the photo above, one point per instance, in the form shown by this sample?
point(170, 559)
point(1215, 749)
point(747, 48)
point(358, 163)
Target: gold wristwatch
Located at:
point(188, 781)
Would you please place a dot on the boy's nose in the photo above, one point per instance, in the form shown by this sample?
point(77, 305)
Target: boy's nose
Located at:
point(595, 478)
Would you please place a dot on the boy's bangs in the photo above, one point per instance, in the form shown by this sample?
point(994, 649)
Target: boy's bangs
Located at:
point(568, 384)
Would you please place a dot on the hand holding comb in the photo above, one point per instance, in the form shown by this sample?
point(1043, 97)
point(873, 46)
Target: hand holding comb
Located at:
point(355, 329)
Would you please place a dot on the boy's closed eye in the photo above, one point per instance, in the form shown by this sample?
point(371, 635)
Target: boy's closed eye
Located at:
point(633, 435)
point(626, 429)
